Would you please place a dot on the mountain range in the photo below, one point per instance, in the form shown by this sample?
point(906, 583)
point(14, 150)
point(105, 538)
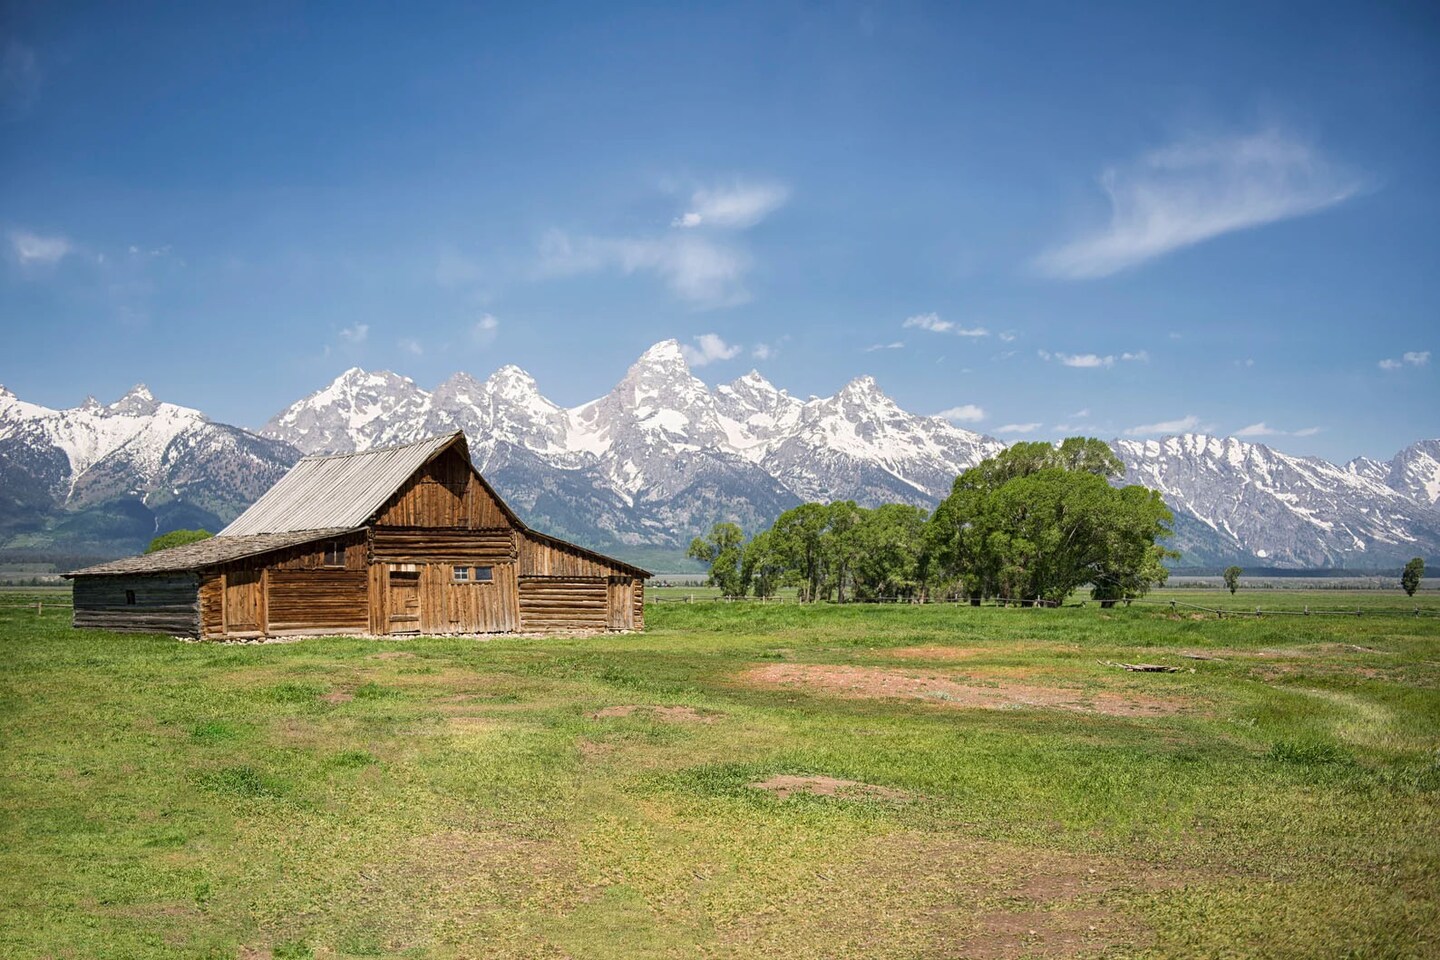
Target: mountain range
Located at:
point(642, 469)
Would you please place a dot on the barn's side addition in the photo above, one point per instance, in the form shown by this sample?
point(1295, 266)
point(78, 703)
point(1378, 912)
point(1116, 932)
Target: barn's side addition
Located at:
point(404, 540)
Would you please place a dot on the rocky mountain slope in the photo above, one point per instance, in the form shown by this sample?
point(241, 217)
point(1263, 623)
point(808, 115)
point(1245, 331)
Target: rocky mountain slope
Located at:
point(107, 478)
point(662, 456)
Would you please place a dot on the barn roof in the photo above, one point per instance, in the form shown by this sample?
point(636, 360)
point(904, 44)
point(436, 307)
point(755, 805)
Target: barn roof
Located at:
point(207, 553)
point(337, 491)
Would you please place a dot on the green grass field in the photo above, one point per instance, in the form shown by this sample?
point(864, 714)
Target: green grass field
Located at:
point(994, 789)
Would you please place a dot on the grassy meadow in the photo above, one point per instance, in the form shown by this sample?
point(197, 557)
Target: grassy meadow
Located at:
point(739, 781)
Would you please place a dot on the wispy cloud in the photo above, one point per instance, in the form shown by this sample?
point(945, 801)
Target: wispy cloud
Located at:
point(893, 345)
point(33, 250)
point(355, 334)
point(1014, 428)
point(1196, 190)
point(484, 330)
point(965, 413)
point(933, 323)
point(1182, 425)
point(1263, 429)
point(1412, 358)
point(696, 269)
point(410, 346)
point(1093, 360)
point(736, 206)
point(707, 348)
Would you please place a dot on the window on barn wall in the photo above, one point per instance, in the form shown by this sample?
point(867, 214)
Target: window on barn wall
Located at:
point(334, 554)
point(484, 574)
point(129, 598)
point(461, 574)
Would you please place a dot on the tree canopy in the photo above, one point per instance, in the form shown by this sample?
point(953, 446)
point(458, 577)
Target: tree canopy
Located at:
point(1413, 574)
point(177, 538)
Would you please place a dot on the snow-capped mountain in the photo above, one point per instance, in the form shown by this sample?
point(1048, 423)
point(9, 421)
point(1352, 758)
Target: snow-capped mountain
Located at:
point(662, 456)
point(137, 465)
point(1234, 498)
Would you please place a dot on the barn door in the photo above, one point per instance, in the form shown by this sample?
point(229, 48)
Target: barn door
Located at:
point(404, 601)
point(243, 601)
point(620, 604)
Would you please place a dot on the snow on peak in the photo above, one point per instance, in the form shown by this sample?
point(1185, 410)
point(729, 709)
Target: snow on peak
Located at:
point(138, 402)
point(664, 352)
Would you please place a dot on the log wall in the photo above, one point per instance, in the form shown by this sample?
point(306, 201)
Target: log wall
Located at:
point(164, 603)
point(428, 545)
point(639, 623)
point(563, 603)
point(544, 558)
point(212, 605)
point(318, 600)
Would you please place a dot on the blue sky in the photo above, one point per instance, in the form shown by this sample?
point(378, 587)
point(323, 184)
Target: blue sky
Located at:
point(1042, 219)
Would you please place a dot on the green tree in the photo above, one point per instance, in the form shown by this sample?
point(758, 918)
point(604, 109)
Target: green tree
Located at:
point(890, 552)
point(1037, 521)
point(798, 541)
point(177, 538)
point(723, 549)
point(1232, 579)
point(762, 568)
point(840, 546)
point(1414, 573)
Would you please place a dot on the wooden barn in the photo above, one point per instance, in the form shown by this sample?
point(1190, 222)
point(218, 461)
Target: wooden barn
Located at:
point(404, 540)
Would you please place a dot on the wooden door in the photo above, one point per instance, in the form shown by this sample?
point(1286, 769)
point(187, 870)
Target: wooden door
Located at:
point(404, 601)
point(243, 602)
point(620, 604)
point(481, 598)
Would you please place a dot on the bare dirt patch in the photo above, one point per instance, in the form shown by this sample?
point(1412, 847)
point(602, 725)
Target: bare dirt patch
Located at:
point(934, 652)
point(785, 785)
point(1003, 934)
point(666, 714)
point(974, 692)
point(337, 696)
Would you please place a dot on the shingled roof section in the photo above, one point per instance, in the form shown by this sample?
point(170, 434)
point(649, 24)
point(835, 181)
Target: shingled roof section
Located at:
point(337, 491)
point(207, 553)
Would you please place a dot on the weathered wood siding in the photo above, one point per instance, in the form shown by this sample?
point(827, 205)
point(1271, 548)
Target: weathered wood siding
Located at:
point(482, 607)
point(542, 558)
point(563, 603)
point(444, 493)
point(212, 605)
point(318, 600)
point(313, 556)
point(639, 604)
point(428, 545)
point(164, 603)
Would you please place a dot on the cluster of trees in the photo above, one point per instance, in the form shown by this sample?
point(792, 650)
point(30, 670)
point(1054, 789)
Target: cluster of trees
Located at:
point(1413, 573)
point(1031, 524)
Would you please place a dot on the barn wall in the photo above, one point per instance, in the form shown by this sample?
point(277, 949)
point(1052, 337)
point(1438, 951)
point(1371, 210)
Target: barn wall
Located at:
point(429, 545)
point(311, 556)
point(563, 603)
point(310, 600)
point(443, 493)
point(639, 604)
point(164, 603)
point(212, 605)
point(543, 558)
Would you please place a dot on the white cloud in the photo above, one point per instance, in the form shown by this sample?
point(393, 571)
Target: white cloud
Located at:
point(1181, 425)
point(1093, 360)
point(1018, 428)
point(1414, 358)
point(893, 345)
point(762, 351)
point(933, 323)
point(965, 413)
point(696, 269)
point(356, 334)
point(1263, 429)
point(1197, 190)
point(1080, 414)
point(1140, 356)
point(708, 348)
point(31, 249)
point(410, 346)
point(737, 206)
point(484, 330)
point(1007, 337)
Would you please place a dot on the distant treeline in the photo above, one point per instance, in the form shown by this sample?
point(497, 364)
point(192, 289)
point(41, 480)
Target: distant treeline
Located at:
point(1031, 524)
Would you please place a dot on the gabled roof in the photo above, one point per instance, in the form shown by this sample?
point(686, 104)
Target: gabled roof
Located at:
point(208, 553)
point(338, 491)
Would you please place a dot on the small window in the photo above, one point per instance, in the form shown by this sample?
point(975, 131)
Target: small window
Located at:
point(484, 574)
point(129, 598)
point(334, 554)
point(462, 574)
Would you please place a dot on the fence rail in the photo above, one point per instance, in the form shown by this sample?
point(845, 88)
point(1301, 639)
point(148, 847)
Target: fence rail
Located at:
point(1174, 605)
